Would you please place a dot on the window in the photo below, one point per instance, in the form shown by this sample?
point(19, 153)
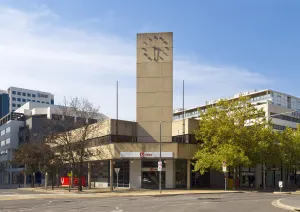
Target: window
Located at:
point(28, 94)
point(33, 100)
point(2, 132)
point(19, 93)
point(7, 130)
point(14, 98)
point(24, 94)
point(28, 100)
point(47, 103)
point(19, 105)
point(3, 143)
point(19, 99)
point(23, 100)
point(8, 141)
point(43, 102)
point(33, 95)
point(38, 101)
point(13, 92)
point(14, 105)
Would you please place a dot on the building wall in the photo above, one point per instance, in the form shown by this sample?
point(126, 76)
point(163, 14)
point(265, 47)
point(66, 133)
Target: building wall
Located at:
point(170, 173)
point(190, 125)
point(154, 86)
point(10, 139)
point(135, 175)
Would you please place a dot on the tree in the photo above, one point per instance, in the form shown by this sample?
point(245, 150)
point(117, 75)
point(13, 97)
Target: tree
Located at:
point(227, 131)
point(35, 156)
point(28, 155)
point(68, 136)
point(289, 150)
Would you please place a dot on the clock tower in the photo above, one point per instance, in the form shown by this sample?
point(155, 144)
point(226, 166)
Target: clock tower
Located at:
point(154, 93)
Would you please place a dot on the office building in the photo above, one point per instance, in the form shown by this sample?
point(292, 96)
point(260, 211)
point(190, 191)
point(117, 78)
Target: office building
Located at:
point(17, 126)
point(15, 97)
point(282, 109)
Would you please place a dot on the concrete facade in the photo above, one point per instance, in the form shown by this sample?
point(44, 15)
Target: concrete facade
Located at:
point(154, 86)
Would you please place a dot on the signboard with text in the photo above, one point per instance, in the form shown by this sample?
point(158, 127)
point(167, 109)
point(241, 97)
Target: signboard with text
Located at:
point(145, 154)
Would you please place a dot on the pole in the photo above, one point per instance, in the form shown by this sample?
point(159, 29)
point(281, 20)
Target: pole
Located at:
point(160, 155)
point(117, 181)
point(225, 181)
point(117, 112)
point(183, 113)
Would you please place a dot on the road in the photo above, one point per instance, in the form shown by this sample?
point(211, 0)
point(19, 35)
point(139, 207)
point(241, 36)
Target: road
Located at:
point(246, 202)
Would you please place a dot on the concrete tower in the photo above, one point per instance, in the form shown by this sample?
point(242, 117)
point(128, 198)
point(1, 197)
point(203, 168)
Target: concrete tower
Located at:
point(154, 86)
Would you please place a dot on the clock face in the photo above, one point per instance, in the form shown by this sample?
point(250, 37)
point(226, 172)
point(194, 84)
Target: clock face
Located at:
point(156, 49)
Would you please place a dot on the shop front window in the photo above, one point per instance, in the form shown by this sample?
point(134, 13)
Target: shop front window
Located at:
point(150, 174)
point(181, 173)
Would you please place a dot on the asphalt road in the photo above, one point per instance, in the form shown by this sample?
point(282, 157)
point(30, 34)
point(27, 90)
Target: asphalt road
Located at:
point(246, 202)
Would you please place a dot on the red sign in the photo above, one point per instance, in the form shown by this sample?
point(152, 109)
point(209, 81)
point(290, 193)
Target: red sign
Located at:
point(143, 154)
point(64, 181)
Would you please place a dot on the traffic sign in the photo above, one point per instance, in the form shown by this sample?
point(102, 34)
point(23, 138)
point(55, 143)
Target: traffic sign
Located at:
point(224, 167)
point(159, 166)
point(70, 174)
point(280, 184)
point(117, 170)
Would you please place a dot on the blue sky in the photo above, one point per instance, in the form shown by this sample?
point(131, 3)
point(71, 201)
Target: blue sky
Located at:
point(220, 47)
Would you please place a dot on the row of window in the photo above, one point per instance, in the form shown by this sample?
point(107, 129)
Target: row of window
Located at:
point(280, 127)
point(28, 100)
point(5, 142)
point(7, 130)
point(23, 94)
point(285, 118)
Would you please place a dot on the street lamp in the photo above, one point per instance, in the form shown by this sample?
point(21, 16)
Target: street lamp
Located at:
point(160, 155)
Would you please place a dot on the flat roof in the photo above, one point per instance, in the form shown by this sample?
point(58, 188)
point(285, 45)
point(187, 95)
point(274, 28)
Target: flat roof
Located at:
point(249, 93)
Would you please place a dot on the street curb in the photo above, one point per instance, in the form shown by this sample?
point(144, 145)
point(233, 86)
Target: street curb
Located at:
point(91, 195)
point(283, 192)
point(278, 204)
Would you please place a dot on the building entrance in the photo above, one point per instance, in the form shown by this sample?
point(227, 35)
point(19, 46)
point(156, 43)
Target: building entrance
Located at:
point(150, 175)
point(150, 179)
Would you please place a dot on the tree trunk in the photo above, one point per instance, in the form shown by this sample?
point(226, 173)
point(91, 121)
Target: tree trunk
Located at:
point(52, 180)
point(295, 177)
point(25, 180)
point(57, 180)
point(264, 176)
point(234, 177)
point(80, 175)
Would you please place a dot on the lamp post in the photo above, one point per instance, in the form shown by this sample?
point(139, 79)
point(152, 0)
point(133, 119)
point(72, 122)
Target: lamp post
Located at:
point(160, 162)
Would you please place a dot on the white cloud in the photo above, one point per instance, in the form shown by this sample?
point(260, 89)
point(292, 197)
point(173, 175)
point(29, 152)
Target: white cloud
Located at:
point(37, 53)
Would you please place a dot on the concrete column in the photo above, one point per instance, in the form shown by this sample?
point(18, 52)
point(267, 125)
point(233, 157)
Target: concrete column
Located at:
point(111, 175)
point(135, 174)
point(188, 175)
point(258, 176)
point(89, 175)
point(46, 180)
point(170, 183)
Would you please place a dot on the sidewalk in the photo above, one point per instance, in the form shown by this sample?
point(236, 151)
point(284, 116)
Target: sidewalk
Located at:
point(290, 203)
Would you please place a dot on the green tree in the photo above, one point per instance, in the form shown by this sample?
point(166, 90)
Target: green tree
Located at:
point(289, 143)
point(227, 132)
